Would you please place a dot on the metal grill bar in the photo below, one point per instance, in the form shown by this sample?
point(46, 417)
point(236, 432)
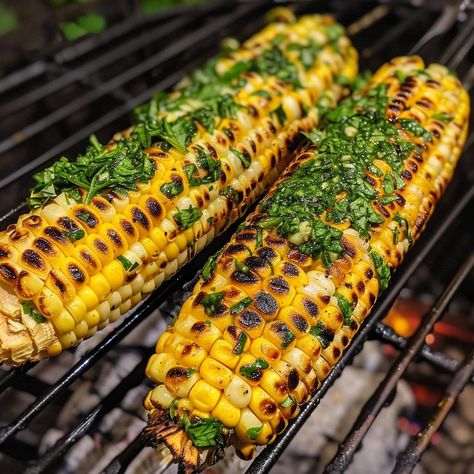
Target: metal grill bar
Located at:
point(178, 47)
point(386, 334)
point(407, 460)
point(376, 402)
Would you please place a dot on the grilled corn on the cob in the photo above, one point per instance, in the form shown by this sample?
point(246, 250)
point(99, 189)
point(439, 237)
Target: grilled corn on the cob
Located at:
point(273, 313)
point(109, 228)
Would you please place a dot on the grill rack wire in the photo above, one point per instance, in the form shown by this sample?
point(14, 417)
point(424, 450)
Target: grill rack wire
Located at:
point(452, 22)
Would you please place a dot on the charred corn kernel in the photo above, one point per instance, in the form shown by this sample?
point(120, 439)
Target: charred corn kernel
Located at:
point(48, 303)
point(288, 323)
point(179, 380)
point(226, 412)
point(158, 366)
point(159, 397)
point(204, 396)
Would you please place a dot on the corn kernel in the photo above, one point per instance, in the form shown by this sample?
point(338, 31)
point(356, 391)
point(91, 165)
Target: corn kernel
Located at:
point(81, 329)
point(215, 373)
point(158, 366)
point(204, 396)
point(226, 413)
point(222, 351)
point(171, 251)
point(54, 349)
point(92, 318)
point(100, 285)
point(64, 322)
point(77, 308)
point(88, 296)
point(114, 273)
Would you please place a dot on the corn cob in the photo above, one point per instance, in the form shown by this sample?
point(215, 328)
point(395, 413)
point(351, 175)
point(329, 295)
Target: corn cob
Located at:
point(272, 314)
point(197, 158)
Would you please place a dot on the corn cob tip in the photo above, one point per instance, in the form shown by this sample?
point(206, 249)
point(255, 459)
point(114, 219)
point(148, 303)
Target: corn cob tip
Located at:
point(186, 438)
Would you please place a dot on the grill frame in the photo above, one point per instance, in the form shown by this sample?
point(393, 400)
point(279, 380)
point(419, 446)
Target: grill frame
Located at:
point(372, 327)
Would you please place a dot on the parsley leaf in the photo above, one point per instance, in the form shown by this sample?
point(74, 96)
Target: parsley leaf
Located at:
point(185, 218)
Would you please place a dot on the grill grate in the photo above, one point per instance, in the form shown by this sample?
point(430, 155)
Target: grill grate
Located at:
point(177, 42)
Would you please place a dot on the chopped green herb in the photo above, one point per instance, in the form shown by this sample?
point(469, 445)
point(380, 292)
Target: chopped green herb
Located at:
point(179, 133)
point(404, 225)
point(190, 372)
point(288, 402)
point(208, 323)
point(253, 433)
point(212, 302)
point(127, 264)
point(241, 156)
point(325, 335)
point(412, 126)
point(259, 237)
point(74, 235)
point(230, 193)
point(241, 266)
point(185, 218)
point(280, 114)
point(173, 408)
point(240, 305)
point(345, 307)
point(443, 117)
point(400, 75)
point(262, 93)
point(383, 270)
point(239, 346)
point(209, 267)
point(172, 189)
point(204, 433)
point(253, 370)
point(32, 312)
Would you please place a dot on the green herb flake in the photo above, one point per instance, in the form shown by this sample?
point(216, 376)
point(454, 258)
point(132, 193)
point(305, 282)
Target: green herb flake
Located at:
point(279, 112)
point(173, 408)
point(412, 126)
point(443, 117)
point(259, 242)
point(212, 302)
point(244, 158)
point(172, 189)
point(240, 305)
point(127, 264)
point(204, 433)
point(382, 269)
point(74, 235)
point(400, 75)
point(185, 218)
point(253, 433)
point(241, 267)
point(32, 312)
point(207, 323)
point(345, 307)
point(262, 93)
point(209, 267)
point(240, 344)
point(288, 402)
point(252, 371)
point(404, 225)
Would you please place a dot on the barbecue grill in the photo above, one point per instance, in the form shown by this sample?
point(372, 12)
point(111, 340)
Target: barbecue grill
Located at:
point(51, 105)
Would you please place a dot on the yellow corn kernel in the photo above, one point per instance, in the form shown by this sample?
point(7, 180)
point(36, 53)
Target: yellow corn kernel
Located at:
point(63, 323)
point(81, 329)
point(310, 345)
point(248, 423)
point(222, 351)
point(92, 318)
point(226, 413)
point(100, 286)
point(181, 241)
point(162, 341)
point(215, 373)
point(171, 251)
point(114, 274)
point(204, 396)
point(67, 340)
point(88, 296)
point(158, 237)
point(77, 308)
point(54, 349)
point(299, 360)
point(136, 298)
